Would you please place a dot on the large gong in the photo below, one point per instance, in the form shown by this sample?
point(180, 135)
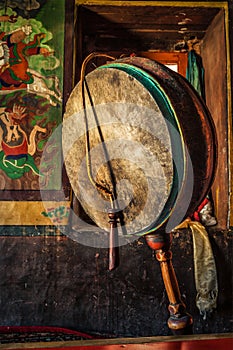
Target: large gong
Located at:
point(137, 138)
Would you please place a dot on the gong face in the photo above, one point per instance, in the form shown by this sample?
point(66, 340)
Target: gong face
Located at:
point(121, 144)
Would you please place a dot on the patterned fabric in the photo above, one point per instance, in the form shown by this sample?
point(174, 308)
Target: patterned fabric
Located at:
point(204, 267)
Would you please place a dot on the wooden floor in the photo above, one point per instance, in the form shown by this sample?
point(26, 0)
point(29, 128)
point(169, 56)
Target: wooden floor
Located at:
point(194, 342)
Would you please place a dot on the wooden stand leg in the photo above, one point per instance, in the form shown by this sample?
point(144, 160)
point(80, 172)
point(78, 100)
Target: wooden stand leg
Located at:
point(179, 321)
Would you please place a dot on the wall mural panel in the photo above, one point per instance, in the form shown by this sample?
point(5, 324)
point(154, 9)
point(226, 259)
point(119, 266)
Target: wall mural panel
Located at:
point(31, 77)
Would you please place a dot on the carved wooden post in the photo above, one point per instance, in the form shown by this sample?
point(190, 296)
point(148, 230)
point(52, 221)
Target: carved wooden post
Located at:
point(179, 321)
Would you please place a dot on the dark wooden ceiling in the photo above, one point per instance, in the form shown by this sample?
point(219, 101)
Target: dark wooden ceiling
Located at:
point(142, 27)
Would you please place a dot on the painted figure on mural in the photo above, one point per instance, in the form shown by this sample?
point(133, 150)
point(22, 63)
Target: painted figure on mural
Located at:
point(17, 148)
point(20, 40)
point(14, 66)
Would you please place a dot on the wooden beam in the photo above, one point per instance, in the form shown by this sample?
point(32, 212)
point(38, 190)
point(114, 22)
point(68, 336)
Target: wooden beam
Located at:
point(216, 4)
point(190, 342)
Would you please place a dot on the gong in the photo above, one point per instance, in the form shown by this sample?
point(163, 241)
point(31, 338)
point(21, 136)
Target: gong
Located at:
point(138, 139)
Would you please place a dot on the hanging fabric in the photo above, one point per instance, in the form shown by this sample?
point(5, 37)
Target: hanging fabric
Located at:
point(204, 264)
point(195, 72)
point(204, 267)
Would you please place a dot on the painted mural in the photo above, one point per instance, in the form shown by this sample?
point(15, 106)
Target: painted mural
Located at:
point(31, 56)
point(31, 88)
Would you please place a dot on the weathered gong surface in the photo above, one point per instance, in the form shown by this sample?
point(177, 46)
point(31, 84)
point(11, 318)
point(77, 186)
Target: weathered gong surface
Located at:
point(129, 141)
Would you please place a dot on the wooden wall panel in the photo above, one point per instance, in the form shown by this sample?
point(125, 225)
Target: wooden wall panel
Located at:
point(214, 61)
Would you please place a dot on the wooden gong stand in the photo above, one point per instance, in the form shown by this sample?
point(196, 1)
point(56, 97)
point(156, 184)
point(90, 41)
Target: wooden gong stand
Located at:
point(180, 322)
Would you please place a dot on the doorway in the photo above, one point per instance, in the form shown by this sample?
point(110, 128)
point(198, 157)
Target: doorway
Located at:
point(159, 31)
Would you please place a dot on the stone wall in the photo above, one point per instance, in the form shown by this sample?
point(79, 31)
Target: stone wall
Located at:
point(54, 281)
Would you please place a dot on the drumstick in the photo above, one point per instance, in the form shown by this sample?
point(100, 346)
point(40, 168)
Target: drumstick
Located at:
point(112, 214)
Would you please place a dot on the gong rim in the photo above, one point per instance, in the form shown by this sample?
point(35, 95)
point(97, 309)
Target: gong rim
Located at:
point(175, 85)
